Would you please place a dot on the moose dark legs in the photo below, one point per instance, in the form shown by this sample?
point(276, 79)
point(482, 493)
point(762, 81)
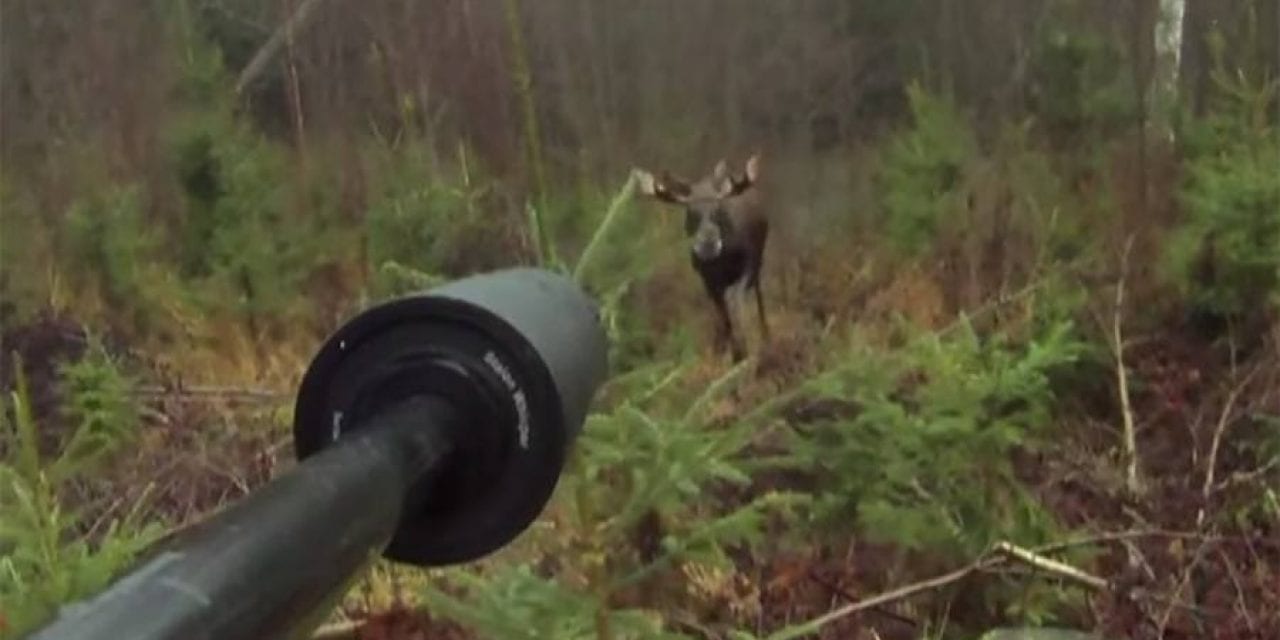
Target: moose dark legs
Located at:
point(753, 281)
point(724, 326)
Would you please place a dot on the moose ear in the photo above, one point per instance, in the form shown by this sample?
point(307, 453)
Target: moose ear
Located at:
point(721, 171)
point(748, 178)
point(753, 168)
point(662, 187)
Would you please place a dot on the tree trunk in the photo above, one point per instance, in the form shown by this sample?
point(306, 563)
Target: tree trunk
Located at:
point(1163, 99)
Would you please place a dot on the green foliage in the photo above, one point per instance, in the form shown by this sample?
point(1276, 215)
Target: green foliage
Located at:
point(516, 603)
point(420, 220)
point(639, 503)
point(1082, 78)
point(243, 247)
point(97, 400)
point(203, 78)
point(1040, 207)
point(46, 557)
point(113, 246)
point(609, 266)
point(922, 171)
point(925, 462)
point(1226, 254)
point(643, 458)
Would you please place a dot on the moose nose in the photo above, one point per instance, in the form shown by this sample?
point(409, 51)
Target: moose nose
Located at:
point(707, 248)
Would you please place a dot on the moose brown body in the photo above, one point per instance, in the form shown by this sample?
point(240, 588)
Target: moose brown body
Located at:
point(727, 228)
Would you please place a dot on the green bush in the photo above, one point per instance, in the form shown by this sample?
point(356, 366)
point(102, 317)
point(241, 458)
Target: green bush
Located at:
point(113, 246)
point(1082, 83)
point(923, 170)
point(639, 503)
point(1225, 255)
point(924, 461)
point(421, 220)
point(516, 603)
point(46, 558)
point(244, 248)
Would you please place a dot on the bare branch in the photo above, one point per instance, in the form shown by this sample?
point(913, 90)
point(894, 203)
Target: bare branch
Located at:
point(844, 593)
point(1242, 604)
point(1120, 536)
point(1224, 420)
point(1122, 378)
point(1051, 566)
point(938, 582)
point(200, 393)
point(263, 57)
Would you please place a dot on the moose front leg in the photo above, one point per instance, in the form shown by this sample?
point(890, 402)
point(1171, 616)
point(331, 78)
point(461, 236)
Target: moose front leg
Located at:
point(724, 328)
point(753, 282)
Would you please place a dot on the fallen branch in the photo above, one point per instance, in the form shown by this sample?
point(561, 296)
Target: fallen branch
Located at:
point(1000, 553)
point(199, 393)
point(885, 598)
point(1051, 566)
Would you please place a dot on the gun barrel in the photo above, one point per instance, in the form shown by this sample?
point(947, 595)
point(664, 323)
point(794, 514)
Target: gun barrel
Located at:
point(265, 565)
point(430, 429)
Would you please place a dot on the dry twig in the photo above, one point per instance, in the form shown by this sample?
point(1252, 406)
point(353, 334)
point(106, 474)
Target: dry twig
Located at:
point(886, 598)
point(1224, 420)
point(1049, 565)
point(1242, 604)
point(1000, 553)
point(1122, 378)
point(198, 393)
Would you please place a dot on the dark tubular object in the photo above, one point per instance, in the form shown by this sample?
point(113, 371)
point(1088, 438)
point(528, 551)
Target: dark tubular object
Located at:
point(431, 429)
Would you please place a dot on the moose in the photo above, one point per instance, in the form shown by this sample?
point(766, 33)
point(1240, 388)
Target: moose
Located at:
point(727, 228)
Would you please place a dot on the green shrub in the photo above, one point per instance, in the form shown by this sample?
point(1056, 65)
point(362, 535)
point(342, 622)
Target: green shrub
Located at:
point(924, 462)
point(244, 249)
point(113, 246)
point(1225, 255)
point(638, 504)
point(1081, 78)
point(46, 559)
point(922, 172)
point(515, 603)
point(426, 220)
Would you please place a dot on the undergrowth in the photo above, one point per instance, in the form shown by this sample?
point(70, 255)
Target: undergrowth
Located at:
point(50, 552)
